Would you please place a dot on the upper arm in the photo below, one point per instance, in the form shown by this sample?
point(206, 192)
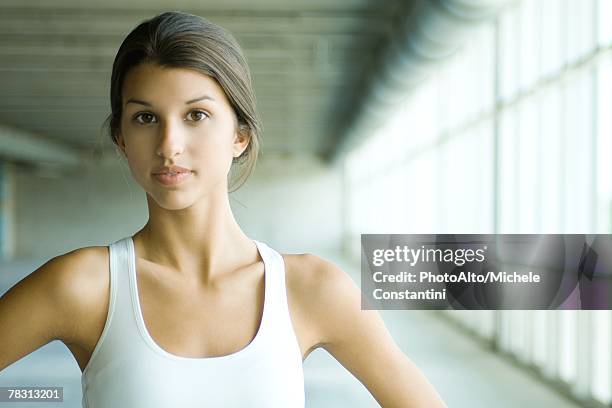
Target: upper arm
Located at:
point(44, 306)
point(359, 340)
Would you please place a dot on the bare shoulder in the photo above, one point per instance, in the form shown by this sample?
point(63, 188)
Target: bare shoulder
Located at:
point(321, 289)
point(64, 299)
point(82, 262)
point(80, 283)
point(358, 339)
point(312, 274)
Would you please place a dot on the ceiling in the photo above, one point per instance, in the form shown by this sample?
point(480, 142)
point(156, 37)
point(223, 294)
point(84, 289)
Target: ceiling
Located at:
point(308, 59)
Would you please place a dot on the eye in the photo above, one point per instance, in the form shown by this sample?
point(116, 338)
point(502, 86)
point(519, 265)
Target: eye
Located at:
point(201, 115)
point(143, 115)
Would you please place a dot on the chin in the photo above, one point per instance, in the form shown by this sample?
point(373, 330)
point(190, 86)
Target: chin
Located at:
point(172, 200)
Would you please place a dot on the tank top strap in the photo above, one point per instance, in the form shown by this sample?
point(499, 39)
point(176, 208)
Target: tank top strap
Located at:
point(121, 261)
point(120, 322)
point(279, 306)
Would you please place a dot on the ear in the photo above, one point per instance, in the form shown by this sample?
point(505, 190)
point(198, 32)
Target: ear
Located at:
point(242, 137)
point(121, 142)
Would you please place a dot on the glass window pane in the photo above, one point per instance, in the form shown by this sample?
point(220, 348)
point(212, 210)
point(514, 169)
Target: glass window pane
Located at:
point(528, 350)
point(519, 334)
point(584, 349)
point(470, 157)
point(551, 368)
point(461, 74)
point(426, 171)
point(506, 330)
point(444, 103)
point(470, 81)
point(568, 344)
point(461, 166)
point(508, 53)
point(508, 183)
point(527, 170)
point(579, 160)
point(528, 47)
point(604, 32)
point(551, 50)
point(580, 33)
point(453, 92)
point(487, 324)
point(602, 361)
point(443, 170)
point(604, 146)
point(551, 164)
point(484, 74)
point(483, 174)
point(540, 337)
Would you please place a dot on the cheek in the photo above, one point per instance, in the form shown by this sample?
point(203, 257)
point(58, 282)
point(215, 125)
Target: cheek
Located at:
point(138, 160)
point(211, 155)
point(139, 170)
point(217, 142)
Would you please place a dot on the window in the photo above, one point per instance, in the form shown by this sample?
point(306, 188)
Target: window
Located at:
point(550, 117)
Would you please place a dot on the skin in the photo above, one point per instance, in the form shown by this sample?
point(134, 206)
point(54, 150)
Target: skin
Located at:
point(192, 253)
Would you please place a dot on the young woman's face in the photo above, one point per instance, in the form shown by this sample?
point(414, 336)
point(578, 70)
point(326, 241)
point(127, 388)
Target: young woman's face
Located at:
point(165, 122)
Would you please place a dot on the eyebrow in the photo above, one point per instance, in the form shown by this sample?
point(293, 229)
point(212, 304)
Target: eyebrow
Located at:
point(145, 103)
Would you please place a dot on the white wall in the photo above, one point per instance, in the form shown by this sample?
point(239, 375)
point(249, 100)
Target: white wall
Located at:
point(294, 204)
point(91, 206)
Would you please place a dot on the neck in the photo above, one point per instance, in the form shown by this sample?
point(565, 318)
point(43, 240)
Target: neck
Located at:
point(201, 243)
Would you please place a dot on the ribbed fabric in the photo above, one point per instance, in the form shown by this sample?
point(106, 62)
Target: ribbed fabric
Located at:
point(128, 369)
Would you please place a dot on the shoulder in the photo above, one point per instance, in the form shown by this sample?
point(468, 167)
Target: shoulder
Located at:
point(75, 273)
point(315, 275)
point(358, 339)
point(63, 299)
point(51, 303)
point(79, 282)
point(324, 292)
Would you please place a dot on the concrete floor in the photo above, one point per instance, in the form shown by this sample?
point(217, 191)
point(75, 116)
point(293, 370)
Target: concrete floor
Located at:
point(464, 374)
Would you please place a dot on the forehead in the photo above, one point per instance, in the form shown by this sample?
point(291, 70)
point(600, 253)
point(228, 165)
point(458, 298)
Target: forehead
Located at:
point(157, 84)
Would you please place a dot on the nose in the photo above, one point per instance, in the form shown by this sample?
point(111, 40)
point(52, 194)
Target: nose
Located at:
point(171, 140)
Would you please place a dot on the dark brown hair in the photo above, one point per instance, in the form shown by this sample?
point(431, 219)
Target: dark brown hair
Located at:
point(176, 39)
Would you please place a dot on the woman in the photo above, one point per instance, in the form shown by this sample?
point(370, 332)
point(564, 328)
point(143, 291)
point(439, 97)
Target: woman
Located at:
point(189, 311)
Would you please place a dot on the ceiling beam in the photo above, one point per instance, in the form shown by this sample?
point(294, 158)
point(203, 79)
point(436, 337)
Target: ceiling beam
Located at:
point(19, 145)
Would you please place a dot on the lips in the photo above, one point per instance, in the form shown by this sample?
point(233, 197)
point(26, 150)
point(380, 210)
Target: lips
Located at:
point(171, 170)
point(171, 175)
point(170, 179)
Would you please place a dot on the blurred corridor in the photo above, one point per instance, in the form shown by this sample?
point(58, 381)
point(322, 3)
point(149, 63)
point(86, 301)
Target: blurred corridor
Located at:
point(380, 116)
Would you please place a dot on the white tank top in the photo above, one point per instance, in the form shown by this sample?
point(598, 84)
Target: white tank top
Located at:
point(128, 369)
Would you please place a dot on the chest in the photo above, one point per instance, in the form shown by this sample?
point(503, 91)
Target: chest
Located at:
point(158, 383)
point(190, 322)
